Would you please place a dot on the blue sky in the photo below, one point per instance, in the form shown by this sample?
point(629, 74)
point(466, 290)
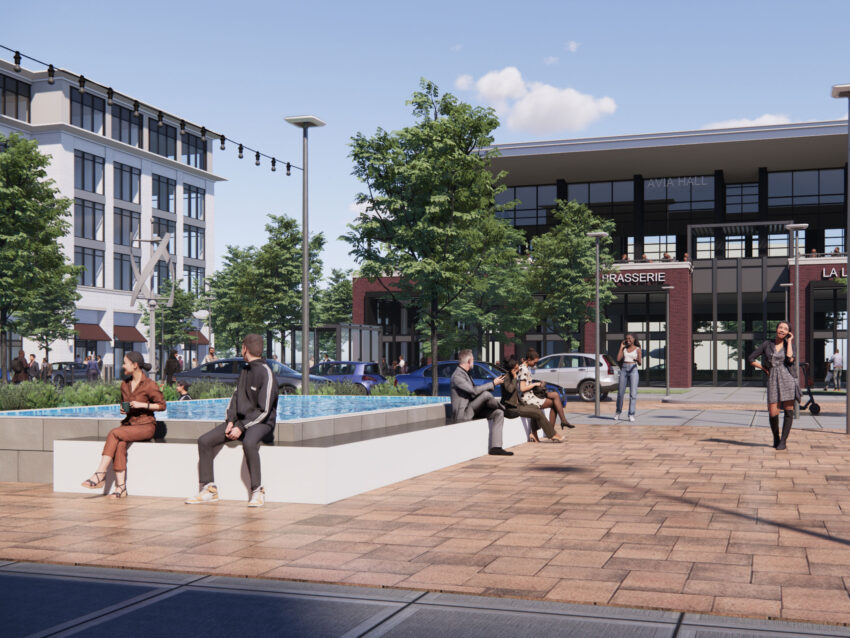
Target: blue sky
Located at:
point(553, 71)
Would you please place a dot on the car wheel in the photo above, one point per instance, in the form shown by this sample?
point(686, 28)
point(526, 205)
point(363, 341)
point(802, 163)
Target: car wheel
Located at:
point(287, 389)
point(586, 391)
point(422, 393)
point(603, 396)
point(361, 389)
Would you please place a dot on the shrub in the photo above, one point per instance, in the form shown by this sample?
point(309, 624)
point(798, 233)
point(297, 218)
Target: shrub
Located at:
point(211, 390)
point(388, 389)
point(169, 393)
point(28, 395)
point(95, 393)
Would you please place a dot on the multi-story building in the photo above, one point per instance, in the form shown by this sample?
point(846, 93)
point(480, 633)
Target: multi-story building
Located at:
point(704, 211)
point(133, 173)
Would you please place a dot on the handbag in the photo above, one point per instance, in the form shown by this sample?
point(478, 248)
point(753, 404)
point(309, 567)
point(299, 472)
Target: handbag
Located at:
point(540, 392)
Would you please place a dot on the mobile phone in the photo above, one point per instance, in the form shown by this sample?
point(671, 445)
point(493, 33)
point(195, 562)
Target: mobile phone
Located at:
point(125, 405)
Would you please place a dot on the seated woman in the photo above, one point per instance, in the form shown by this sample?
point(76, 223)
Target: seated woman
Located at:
point(515, 408)
point(528, 397)
point(144, 398)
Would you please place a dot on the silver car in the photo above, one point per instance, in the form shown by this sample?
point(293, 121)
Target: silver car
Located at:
point(574, 371)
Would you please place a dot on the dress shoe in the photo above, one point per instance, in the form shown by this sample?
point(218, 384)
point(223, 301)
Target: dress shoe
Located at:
point(497, 451)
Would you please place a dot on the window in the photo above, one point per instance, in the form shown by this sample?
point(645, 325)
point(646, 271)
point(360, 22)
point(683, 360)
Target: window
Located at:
point(532, 207)
point(679, 194)
point(124, 278)
point(126, 127)
point(126, 226)
point(736, 246)
point(218, 367)
point(601, 192)
point(778, 245)
point(801, 242)
point(193, 201)
point(194, 151)
point(193, 279)
point(549, 363)
point(833, 240)
point(161, 274)
point(88, 172)
point(655, 246)
point(163, 193)
point(162, 139)
point(705, 248)
point(91, 260)
point(126, 183)
point(14, 98)
point(88, 219)
point(193, 242)
point(742, 198)
point(806, 188)
point(371, 368)
point(160, 227)
point(87, 111)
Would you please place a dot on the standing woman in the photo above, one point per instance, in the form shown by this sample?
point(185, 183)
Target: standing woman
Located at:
point(545, 400)
point(629, 357)
point(782, 388)
point(144, 398)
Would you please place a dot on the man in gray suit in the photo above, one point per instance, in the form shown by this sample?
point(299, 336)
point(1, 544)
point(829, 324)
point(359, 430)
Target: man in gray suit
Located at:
point(470, 401)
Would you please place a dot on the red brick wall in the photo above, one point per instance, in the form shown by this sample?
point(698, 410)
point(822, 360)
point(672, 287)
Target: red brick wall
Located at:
point(360, 288)
point(808, 274)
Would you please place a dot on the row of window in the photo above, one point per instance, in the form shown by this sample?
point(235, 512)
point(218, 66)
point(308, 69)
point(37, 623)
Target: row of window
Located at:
point(88, 111)
point(15, 98)
point(92, 274)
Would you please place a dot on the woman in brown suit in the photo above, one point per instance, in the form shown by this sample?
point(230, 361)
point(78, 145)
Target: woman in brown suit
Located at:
point(144, 398)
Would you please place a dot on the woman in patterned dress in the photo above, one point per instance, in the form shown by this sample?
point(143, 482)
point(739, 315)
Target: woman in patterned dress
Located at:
point(783, 388)
point(527, 396)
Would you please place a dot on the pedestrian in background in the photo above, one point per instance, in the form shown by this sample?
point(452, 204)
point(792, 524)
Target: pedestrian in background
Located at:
point(630, 358)
point(783, 387)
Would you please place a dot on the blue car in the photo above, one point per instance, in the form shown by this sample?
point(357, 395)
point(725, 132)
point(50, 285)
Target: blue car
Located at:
point(364, 374)
point(419, 381)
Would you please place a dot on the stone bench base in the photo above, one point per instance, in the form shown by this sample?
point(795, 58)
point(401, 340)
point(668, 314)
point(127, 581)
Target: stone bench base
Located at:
point(291, 473)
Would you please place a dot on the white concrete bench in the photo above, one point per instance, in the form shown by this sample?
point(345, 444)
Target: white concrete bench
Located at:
point(292, 473)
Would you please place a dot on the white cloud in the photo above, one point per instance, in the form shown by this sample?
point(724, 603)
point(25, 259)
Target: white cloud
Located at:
point(536, 107)
point(464, 82)
point(572, 46)
point(550, 60)
point(767, 119)
point(456, 47)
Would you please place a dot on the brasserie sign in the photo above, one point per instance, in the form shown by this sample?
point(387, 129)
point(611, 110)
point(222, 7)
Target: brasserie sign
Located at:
point(620, 278)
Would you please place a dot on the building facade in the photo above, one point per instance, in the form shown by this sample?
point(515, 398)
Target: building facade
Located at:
point(704, 212)
point(132, 175)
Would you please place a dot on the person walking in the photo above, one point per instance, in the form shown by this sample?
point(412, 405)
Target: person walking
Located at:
point(172, 367)
point(92, 371)
point(837, 366)
point(210, 356)
point(46, 370)
point(20, 368)
point(514, 408)
point(777, 362)
point(470, 401)
point(140, 398)
point(630, 358)
point(33, 369)
point(250, 418)
point(829, 377)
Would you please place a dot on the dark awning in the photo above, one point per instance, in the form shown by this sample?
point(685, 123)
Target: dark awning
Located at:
point(128, 333)
point(198, 338)
point(90, 332)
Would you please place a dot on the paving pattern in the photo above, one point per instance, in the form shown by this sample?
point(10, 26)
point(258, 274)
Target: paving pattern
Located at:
point(689, 519)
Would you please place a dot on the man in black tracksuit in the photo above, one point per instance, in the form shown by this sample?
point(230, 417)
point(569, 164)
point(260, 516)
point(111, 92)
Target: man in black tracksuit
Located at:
point(251, 417)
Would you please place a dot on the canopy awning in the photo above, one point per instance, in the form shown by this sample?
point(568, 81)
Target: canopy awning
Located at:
point(90, 332)
point(128, 333)
point(198, 338)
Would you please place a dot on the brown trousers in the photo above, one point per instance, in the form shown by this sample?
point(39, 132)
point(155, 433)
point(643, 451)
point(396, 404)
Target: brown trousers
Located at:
point(535, 414)
point(116, 442)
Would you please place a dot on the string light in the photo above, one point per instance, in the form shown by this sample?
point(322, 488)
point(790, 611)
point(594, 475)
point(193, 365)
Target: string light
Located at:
point(222, 142)
point(109, 95)
point(288, 169)
point(273, 165)
point(257, 159)
point(51, 72)
point(17, 61)
point(82, 84)
point(182, 127)
point(136, 108)
point(159, 121)
point(203, 134)
point(240, 151)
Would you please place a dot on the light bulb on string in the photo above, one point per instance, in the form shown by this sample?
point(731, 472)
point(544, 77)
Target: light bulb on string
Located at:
point(257, 159)
point(222, 142)
point(273, 165)
point(17, 62)
point(240, 151)
point(82, 84)
point(51, 73)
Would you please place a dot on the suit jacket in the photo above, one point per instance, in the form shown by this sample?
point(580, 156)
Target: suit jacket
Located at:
point(463, 392)
point(765, 351)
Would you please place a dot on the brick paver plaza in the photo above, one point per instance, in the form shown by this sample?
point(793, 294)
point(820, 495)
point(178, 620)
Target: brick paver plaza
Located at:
point(679, 518)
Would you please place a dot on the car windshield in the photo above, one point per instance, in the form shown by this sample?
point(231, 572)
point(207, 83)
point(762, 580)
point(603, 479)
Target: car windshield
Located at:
point(496, 370)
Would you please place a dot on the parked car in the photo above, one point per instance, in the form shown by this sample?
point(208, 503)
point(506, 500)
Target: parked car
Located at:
point(67, 372)
point(227, 371)
point(363, 374)
point(575, 372)
point(419, 381)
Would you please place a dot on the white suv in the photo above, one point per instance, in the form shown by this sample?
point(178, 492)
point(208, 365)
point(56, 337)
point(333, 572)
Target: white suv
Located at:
point(574, 371)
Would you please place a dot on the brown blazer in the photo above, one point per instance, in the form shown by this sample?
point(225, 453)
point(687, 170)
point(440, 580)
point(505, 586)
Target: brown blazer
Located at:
point(148, 392)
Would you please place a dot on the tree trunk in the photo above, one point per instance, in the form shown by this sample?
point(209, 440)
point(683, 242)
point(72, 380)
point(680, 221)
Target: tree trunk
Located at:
point(435, 358)
point(3, 346)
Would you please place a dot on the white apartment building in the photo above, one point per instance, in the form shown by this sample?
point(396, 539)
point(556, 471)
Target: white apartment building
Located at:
point(131, 171)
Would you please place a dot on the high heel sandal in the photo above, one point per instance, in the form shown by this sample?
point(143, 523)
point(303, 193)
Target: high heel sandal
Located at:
point(88, 483)
point(120, 491)
point(566, 424)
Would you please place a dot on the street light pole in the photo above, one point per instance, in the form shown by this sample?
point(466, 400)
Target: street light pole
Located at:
point(839, 91)
point(787, 303)
point(668, 289)
point(797, 228)
point(305, 122)
point(597, 236)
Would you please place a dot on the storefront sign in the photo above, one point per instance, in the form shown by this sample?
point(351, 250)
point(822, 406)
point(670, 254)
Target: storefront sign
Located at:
point(621, 278)
point(833, 272)
point(676, 181)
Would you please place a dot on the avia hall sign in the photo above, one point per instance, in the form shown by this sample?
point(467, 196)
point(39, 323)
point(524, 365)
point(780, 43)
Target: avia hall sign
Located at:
point(829, 273)
point(620, 278)
point(669, 182)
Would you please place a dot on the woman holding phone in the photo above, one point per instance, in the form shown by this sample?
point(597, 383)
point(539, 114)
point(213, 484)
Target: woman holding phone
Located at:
point(515, 408)
point(140, 398)
point(629, 357)
point(783, 388)
point(543, 400)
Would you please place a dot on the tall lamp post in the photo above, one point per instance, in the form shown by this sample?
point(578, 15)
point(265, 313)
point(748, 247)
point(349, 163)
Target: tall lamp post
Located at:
point(668, 290)
point(305, 122)
point(598, 236)
point(838, 91)
point(787, 304)
point(796, 228)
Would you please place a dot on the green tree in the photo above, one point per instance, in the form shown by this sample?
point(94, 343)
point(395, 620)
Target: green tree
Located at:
point(430, 195)
point(33, 218)
point(232, 299)
point(332, 304)
point(278, 267)
point(563, 269)
point(52, 315)
point(173, 324)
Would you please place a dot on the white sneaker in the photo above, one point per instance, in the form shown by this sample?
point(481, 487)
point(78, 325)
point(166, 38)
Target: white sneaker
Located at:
point(617, 416)
point(258, 497)
point(632, 418)
point(209, 494)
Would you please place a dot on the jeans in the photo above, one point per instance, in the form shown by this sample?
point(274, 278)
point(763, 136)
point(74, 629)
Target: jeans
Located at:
point(210, 443)
point(628, 374)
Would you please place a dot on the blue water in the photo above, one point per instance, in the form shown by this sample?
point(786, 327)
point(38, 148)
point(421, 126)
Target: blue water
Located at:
point(289, 408)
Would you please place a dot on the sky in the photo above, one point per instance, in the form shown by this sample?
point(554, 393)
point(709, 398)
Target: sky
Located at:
point(551, 70)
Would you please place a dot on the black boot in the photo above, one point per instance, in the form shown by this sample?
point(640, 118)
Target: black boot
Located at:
point(497, 451)
point(786, 428)
point(774, 427)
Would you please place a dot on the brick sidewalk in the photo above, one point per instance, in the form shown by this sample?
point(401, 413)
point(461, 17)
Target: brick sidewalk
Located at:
point(679, 518)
